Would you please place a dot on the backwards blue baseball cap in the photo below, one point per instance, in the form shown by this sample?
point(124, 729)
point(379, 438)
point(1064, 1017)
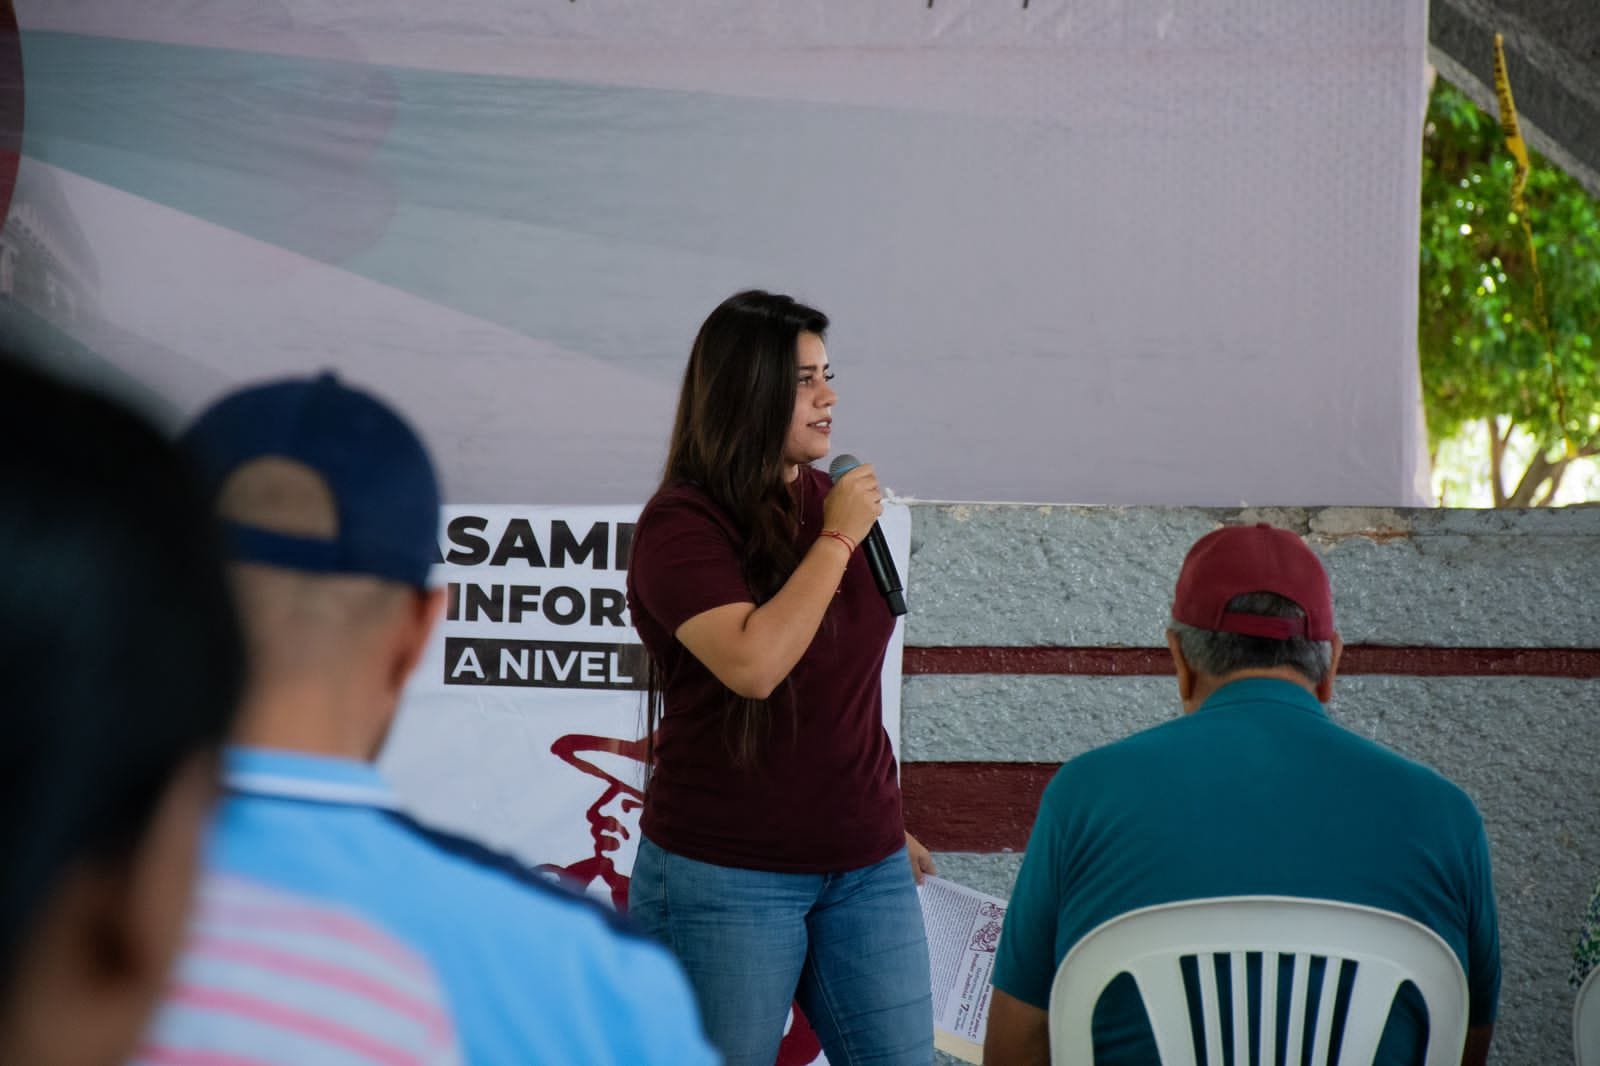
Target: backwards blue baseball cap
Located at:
point(373, 463)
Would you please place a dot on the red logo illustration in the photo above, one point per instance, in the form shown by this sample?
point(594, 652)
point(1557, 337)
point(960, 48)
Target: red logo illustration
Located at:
point(614, 828)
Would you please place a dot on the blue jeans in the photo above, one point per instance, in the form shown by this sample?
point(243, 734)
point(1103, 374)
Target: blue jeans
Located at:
point(850, 947)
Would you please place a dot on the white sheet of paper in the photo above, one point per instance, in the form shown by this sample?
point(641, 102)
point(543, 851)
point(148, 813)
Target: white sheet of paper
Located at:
point(963, 933)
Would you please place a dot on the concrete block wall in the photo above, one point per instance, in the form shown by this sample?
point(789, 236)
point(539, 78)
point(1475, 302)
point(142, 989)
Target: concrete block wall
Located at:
point(1473, 645)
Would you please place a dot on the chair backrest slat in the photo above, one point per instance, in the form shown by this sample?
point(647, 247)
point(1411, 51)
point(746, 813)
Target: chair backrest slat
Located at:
point(1160, 982)
point(1322, 1041)
point(1269, 1008)
point(1370, 997)
point(1239, 975)
point(1209, 1012)
point(1294, 1041)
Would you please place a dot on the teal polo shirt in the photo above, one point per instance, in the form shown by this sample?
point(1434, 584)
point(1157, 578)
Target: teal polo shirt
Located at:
point(532, 973)
point(1255, 793)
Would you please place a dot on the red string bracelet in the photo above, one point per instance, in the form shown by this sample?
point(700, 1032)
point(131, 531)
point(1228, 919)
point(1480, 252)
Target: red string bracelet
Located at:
point(849, 545)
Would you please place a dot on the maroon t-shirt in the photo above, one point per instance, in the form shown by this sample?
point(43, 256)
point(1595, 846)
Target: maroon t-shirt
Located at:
point(822, 794)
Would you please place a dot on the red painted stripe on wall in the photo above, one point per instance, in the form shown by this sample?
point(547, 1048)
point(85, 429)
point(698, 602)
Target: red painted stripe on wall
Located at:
point(973, 806)
point(1581, 663)
point(990, 806)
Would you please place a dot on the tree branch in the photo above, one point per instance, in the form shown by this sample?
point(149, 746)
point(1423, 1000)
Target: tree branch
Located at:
point(1497, 454)
point(1556, 475)
point(1538, 469)
point(1558, 470)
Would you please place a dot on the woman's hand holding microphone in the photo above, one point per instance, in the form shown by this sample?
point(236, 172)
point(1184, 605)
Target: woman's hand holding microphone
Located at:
point(853, 504)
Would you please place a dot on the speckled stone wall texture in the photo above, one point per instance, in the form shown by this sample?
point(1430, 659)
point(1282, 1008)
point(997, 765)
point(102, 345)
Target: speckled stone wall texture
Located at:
point(1526, 749)
point(1018, 575)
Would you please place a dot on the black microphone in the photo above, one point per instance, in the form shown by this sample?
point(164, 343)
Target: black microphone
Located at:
point(877, 548)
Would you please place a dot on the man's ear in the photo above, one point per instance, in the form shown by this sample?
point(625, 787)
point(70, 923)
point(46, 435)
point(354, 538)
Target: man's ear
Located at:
point(1325, 686)
point(422, 614)
point(1187, 677)
point(77, 972)
point(101, 950)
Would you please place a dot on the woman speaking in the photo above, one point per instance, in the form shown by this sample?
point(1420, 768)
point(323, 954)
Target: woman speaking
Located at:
point(774, 858)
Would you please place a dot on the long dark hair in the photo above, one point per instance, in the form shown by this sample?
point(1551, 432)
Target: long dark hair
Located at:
point(734, 412)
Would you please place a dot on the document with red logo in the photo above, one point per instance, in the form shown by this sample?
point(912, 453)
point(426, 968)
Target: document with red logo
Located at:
point(963, 932)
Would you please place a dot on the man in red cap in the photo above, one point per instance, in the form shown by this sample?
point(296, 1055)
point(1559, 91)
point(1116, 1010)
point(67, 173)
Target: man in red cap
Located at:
point(1253, 791)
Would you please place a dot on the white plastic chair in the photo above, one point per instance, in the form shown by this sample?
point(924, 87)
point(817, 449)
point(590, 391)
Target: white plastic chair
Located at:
point(1586, 1021)
point(1387, 949)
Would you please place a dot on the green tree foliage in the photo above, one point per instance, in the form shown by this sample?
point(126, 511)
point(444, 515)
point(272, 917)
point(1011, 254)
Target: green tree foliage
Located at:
point(1486, 356)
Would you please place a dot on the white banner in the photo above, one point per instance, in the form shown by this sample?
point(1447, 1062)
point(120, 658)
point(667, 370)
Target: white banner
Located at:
point(1093, 251)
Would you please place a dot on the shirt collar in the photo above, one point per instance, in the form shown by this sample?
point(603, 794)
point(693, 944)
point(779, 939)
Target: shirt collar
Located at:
point(312, 778)
point(1263, 690)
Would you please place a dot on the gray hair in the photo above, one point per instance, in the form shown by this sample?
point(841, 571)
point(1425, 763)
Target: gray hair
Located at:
point(1217, 654)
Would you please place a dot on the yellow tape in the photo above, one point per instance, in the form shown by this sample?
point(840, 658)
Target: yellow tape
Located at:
point(1519, 183)
point(1508, 121)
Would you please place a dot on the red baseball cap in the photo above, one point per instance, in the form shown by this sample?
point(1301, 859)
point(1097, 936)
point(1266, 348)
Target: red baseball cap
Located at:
point(1237, 560)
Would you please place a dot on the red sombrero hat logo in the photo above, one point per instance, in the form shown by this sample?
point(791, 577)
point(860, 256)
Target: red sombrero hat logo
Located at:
point(613, 760)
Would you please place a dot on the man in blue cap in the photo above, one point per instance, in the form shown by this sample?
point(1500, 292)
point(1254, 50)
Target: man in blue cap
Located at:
point(331, 508)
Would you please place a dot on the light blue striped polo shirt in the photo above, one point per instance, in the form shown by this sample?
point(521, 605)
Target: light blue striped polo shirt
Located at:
point(532, 973)
point(270, 977)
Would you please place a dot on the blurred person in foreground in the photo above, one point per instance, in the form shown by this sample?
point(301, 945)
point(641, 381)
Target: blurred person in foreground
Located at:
point(1253, 791)
point(331, 508)
point(120, 667)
